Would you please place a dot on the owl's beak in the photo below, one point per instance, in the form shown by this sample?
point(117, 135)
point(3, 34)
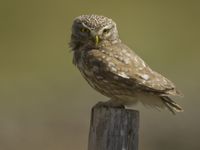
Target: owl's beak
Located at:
point(96, 40)
point(95, 37)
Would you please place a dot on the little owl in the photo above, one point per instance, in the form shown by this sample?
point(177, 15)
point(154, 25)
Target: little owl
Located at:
point(114, 70)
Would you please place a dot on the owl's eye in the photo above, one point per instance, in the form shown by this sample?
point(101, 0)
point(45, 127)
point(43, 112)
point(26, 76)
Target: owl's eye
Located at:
point(106, 31)
point(84, 30)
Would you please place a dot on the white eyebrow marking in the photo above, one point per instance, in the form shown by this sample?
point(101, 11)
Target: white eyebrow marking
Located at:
point(85, 25)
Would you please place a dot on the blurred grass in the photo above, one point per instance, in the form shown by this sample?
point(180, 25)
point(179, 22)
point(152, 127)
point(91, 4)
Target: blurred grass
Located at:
point(45, 103)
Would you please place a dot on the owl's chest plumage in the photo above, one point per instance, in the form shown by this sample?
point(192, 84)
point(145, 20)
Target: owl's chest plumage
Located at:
point(96, 73)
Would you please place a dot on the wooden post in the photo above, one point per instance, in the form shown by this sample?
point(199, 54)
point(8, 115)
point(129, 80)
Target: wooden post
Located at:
point(113, 129)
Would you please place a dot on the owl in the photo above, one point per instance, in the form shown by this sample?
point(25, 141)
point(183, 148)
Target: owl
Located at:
point(115, 70)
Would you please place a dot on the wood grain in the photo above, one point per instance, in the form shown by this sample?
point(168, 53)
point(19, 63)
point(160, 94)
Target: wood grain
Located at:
point(113, 129)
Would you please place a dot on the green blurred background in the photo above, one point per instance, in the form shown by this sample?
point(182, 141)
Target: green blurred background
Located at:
point(45, 103)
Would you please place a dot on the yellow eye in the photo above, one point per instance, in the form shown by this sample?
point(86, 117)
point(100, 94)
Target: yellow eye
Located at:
point(84, 30)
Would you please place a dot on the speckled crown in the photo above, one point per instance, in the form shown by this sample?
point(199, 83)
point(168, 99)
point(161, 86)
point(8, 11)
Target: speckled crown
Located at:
point(94, 21)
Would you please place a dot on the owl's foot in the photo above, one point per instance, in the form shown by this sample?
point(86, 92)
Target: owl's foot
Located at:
point(109, 104)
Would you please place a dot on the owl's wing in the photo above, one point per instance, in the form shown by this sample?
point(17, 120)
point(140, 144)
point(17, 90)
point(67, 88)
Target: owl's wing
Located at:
point(123, 64)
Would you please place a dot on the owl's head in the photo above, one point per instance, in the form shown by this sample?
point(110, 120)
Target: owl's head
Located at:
point(93, 29)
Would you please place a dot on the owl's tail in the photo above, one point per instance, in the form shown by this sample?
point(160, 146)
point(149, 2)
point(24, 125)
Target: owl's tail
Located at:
point(171, 105)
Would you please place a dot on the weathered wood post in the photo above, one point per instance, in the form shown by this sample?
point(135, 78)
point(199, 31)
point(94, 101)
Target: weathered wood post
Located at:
point(113, 129)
